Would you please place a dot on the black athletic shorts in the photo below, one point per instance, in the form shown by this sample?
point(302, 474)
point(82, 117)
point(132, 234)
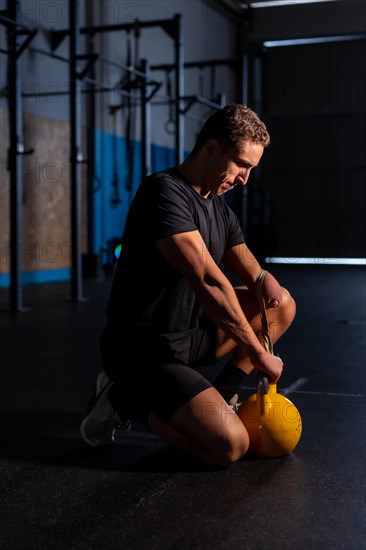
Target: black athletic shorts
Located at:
point(154, 373)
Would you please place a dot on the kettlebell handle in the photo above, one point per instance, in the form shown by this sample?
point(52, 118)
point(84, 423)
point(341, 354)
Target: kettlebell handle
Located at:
point(262, 383)
point(262, 380)
point(267, 342)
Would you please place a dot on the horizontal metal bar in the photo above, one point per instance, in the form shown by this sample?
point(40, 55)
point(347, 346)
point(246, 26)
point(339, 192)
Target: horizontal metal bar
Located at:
point(162, 103)
point(11, 23)
point(118, 27)
point(49, 54)
point(105, 89)
point(202, 101)
point(211, 63)
point(197, 64)
point(109, 87)
point(165, 98)
point(126, 26)
point(45, 94)
point(194, 118)
point(102, 59)
point(128, 69)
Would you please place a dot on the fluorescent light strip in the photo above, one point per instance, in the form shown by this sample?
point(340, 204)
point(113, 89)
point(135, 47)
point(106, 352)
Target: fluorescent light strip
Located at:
point(274, 3)
point(316, 40)
point(317, 261)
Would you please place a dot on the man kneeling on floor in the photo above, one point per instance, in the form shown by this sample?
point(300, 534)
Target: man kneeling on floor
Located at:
point(172, 309)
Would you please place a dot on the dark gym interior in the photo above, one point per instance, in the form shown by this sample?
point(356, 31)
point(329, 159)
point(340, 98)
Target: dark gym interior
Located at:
point(95, 95)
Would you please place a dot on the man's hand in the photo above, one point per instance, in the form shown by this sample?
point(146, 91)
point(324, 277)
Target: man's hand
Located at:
point(271, 291)
point(270, 365)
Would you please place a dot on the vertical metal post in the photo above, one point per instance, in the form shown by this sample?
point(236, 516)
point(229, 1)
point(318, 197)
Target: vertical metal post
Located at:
point(244, 84)
point(258, 84)
point(145, 122)
point(242, 192)
point(75, 151)
point(90, 137)
point(179, 90)
point(15, 164)
point(258, 205)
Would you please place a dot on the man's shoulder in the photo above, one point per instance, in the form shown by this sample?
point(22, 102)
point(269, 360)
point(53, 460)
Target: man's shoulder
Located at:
point(164, 181)
point(169, 175)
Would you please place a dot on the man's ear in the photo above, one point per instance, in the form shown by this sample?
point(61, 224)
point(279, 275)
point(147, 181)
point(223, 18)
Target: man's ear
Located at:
point(212, 147)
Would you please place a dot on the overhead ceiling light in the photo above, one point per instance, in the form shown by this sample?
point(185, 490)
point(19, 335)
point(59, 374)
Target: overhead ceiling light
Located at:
point(275, 3)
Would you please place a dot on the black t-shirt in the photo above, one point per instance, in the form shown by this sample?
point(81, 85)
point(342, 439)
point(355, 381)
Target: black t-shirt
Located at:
point(147, 291)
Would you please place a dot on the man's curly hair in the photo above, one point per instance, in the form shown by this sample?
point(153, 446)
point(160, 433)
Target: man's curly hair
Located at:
point(232, 124)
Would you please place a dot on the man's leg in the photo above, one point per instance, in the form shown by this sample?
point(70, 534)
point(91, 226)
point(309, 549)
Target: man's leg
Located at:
point(205, 428)
point(279, 320)
point(233, 376)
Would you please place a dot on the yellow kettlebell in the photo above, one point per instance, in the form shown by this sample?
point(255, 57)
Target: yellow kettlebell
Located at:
point(272, 421)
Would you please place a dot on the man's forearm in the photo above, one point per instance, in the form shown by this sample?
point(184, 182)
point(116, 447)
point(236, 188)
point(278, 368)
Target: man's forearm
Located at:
point(220, 303)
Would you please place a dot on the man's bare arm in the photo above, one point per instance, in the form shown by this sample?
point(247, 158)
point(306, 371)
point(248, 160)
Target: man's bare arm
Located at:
point(188, 253)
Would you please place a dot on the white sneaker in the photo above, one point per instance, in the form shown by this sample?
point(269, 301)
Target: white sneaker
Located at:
point(101, 421)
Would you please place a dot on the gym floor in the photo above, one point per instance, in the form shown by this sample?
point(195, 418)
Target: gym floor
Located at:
point(57, 493)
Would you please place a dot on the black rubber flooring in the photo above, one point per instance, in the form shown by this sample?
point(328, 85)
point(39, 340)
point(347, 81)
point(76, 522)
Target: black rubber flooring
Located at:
point(57, 493)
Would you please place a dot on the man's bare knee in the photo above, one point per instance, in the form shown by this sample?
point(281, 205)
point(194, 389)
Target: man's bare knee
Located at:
point(231, 447)
point(288, 305)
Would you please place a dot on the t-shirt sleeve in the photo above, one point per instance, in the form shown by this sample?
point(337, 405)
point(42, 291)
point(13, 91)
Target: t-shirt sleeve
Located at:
point(235, 232)
point(170, 209)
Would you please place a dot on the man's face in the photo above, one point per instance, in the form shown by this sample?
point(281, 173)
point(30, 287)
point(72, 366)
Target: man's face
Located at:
point(231, 167)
